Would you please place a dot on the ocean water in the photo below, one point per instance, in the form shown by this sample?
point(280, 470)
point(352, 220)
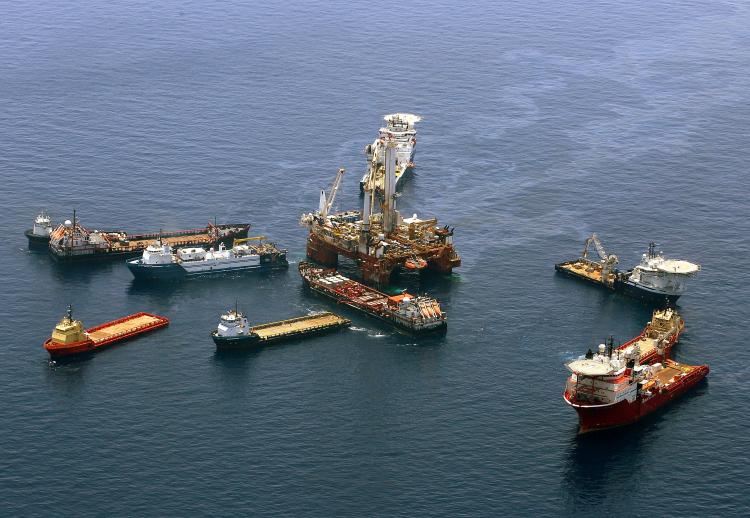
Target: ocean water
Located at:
point(543, 122)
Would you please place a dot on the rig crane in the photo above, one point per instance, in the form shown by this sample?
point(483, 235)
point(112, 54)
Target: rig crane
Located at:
point(326, 202)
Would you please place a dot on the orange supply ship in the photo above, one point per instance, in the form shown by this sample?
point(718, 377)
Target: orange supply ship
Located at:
point(69, 338)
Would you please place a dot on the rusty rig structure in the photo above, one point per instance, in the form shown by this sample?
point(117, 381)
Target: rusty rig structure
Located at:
point(378, 242)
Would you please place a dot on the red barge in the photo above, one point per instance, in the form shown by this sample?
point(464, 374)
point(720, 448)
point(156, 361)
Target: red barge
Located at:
point(69, 338)
point(619, 386)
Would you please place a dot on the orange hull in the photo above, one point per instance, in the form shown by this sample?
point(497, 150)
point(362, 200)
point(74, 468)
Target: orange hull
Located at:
point(58, 350)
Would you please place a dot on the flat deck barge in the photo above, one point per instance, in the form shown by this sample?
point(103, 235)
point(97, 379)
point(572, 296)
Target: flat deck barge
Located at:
point(233, 331)
point(69, 338)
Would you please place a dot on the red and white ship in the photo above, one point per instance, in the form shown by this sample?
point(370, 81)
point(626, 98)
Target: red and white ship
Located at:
point(618, 386)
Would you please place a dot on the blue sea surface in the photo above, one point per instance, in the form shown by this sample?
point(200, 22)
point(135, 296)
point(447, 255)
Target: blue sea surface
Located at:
point(543, 122)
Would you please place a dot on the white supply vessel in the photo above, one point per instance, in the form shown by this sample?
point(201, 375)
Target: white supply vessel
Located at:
point(400, 128)
point(159, 262)
point(657, 277)
point(39, 234)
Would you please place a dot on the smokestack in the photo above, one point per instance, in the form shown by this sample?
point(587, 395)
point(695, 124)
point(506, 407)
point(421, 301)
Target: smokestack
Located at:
point(367, 210)
point(323, 203)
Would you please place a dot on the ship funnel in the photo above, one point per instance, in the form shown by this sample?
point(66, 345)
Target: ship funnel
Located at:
point(322, 204)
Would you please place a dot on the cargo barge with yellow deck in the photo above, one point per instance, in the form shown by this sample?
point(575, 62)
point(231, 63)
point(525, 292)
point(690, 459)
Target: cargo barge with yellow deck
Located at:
point(234, 331)
point(69, 338)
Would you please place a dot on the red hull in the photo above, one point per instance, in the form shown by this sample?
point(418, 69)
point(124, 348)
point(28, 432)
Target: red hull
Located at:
point(600, 417)
point(58, 350)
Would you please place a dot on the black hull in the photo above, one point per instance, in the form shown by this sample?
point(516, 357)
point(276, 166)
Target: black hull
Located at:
point(36, 242)
point(437, 330)
point(637, 292)
point(254, 342)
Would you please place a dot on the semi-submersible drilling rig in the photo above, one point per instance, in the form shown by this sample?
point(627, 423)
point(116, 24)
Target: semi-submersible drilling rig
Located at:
point(378, 241)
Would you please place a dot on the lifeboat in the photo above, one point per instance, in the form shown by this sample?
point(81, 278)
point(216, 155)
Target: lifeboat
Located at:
point(415, 263)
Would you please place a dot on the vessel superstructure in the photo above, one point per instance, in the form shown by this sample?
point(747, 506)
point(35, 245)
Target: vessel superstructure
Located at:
point(235, 332)
point(71, 241)
point(39, 234)
point(656, 279)
point(400, 127)
point(416, 314)
point(378, 241)
point(158, 261)
point(70, 339)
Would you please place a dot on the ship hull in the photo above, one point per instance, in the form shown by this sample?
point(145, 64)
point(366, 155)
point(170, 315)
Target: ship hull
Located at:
point(36, 241)
point(639, 292)
point(600, 417)
point(57, 351)
point(623, 287)
point(166, 272)
point(439, 328)
point(224, 343)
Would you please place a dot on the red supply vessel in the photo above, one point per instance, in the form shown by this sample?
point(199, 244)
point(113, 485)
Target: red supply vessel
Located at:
point(618, 386)
point(69, 338)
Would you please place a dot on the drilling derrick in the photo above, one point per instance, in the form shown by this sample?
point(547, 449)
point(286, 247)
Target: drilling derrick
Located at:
point(379, 242)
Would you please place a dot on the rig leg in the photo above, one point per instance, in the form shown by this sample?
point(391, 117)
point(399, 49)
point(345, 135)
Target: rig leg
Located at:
point(320, 253)
point(445, 262)
point(377, 273)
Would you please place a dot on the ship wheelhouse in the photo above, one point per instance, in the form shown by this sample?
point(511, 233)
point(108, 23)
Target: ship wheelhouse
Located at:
point(233, 324)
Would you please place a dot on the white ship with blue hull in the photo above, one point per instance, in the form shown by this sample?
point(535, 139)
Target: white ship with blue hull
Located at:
point(399, 129)
point(159, 262)
point(656, 279)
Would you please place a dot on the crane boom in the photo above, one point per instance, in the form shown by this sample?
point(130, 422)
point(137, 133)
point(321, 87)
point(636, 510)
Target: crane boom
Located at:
point(332, 193)
point(608, 260)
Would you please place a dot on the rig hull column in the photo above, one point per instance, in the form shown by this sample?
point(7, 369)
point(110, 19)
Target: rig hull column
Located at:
point(320, 252)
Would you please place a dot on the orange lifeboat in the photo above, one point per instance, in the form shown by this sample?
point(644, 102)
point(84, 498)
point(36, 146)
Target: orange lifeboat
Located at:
point(415, 263)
